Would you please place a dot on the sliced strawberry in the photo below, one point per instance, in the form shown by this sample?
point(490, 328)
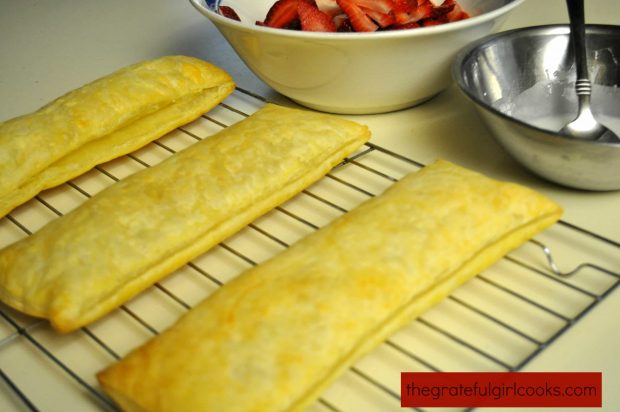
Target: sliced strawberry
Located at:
point(359, 20)
point(404, 5)
point(445, 13)
point(282, 14)
point(402, 8)
point(382, 19)
point(457, 13)
point(313, 19)
point(443, 9)
point(408, 11)
point(357, 15)
point(381, 6)
point(423, 11)
point(229, 12)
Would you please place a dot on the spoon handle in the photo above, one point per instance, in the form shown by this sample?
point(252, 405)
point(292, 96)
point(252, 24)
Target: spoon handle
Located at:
point(578, 39)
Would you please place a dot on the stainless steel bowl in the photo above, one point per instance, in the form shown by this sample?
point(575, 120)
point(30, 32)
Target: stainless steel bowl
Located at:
point(522, 84)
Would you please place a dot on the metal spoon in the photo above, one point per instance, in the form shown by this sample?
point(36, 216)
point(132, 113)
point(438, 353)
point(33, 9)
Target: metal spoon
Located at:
point(585, 125)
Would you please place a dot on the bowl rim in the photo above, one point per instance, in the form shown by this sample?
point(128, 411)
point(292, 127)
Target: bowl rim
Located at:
point(548, 29)
point(357, 36)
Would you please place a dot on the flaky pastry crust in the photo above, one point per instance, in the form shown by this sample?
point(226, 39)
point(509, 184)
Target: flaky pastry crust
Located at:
point(102, 120)
point(274, 337)
point(79, 267)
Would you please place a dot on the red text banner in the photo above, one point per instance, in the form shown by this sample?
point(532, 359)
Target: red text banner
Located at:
point(501, 389)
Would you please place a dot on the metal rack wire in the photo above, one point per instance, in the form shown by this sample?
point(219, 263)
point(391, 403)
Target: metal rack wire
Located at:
point(499, 321)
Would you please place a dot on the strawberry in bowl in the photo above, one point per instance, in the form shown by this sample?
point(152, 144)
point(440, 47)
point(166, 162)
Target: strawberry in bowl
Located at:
point(356, 15)
point(354, 56)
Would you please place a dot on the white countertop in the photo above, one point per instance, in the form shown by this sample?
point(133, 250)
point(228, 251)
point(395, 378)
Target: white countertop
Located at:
point(49, 48)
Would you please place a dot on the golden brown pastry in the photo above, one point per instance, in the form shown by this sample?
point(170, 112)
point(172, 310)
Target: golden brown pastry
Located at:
point(82, 265)
point(274, 337)
point(103, 120)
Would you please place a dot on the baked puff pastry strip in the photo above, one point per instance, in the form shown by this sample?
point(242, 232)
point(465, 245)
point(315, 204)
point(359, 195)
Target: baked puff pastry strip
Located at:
point(274, 337)
point(125, 238)
point(102, 120)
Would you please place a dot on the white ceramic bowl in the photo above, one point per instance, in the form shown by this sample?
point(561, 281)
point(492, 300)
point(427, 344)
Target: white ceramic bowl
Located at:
point(353, 73)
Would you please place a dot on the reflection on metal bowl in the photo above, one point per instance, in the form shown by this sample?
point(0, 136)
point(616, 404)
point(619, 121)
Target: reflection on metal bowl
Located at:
point(522, 83)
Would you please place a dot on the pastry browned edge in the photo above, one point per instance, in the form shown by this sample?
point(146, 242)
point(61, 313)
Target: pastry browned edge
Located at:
point(79, 267)
point(274, 337)
point(102, 120)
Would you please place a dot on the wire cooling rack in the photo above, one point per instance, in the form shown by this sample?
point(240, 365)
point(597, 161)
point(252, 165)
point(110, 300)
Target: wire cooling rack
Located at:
point(498, 321)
